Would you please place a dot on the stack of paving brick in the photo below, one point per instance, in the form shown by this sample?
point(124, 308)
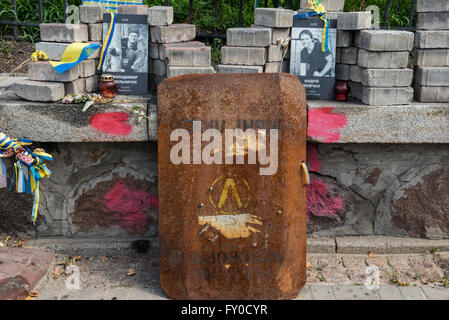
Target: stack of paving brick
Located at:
point(256, 49)
point(382, 67)
point(172, 49)
point(44, 83)
point(431, 54)
point(349, 25)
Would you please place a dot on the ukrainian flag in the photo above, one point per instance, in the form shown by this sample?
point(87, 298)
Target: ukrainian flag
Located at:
point(73, 55)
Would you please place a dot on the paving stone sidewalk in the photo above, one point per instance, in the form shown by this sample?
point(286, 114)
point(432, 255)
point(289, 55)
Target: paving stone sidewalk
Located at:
point(330, 276)
point(21, 269)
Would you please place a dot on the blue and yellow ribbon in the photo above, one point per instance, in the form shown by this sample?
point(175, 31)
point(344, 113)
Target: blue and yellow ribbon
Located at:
point(74, 54)
point(107, 40)
point(29, 167)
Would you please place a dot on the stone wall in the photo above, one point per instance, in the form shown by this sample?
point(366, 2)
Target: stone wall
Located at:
point(110, 190)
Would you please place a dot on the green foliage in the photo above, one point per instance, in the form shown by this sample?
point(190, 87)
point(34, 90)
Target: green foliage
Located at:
point(203, 11)
point(28, 11)
point(399, 10)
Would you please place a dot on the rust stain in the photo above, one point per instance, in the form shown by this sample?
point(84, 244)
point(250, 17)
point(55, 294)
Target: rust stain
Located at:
point(424, 205)
point(373, 176)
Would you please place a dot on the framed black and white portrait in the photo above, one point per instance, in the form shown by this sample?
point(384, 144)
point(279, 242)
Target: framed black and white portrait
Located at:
point(314, 67)
point(127, 55)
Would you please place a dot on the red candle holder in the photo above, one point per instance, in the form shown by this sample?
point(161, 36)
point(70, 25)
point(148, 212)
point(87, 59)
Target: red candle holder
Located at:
point(341, 91)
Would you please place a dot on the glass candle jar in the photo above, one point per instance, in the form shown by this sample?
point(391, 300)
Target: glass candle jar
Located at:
point(341, 90)
point(108, 87)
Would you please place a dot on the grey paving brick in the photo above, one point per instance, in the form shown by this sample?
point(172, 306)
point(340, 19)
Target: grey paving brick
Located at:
point(173, 33)
point(432, 5)
point(356, 90)
point(342, 71)
point(382, 60)
point(375, 96)
point(412, 293)
point(275, 53)
point(387, 77)
point(431, 94)
point(434, 39)
point(87, 68)
point(160, 16)
point(433, 21)
point(158, 67)
point(188, 56)
point(279, 34)
point(305, 293)
point(39, 91)
point(355, 293)
point(95, 31)
point(330, 5)
point(286, 66)
point(77, 86)
point(164, 47)
point(53, 50)
point(355, 73)
point(177, 71)
point(276, 18)
point(92, 83)
point(137, 9)
point(356, 39)
point(272, 67)
point(155, 80)
point(344, 39)
point(436, 76)
point(153, 50)
point(338, 55)
point(436, 293)
point(354, 20)
point(431, 57)
point(390, 292)
point(248, 37)
point(43, 71)
point(61, 32)
point(224, 68)
point(349, 55)
point(91, 13)
point(243, 55)
point(320, 292)
point(386, 40)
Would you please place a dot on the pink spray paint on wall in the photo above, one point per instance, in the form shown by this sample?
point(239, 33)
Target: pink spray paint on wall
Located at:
point(325, 125)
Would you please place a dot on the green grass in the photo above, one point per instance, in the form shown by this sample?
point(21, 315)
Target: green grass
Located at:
point(399, 10)
point(203, 13)
point(27, 11)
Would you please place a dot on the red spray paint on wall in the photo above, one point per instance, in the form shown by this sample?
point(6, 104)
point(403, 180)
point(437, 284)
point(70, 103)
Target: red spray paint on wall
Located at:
point(325, 125)
point(129, 206)
point(320, 203)
point(111, 122)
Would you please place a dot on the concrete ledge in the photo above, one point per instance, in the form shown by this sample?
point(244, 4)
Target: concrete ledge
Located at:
point(354, 122)
point(320, 245)
point(56, 122)
point(150, 245)
point(388, 245)
point(95, 247)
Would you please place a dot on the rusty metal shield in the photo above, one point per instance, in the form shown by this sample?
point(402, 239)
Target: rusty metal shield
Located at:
point(232, 230)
